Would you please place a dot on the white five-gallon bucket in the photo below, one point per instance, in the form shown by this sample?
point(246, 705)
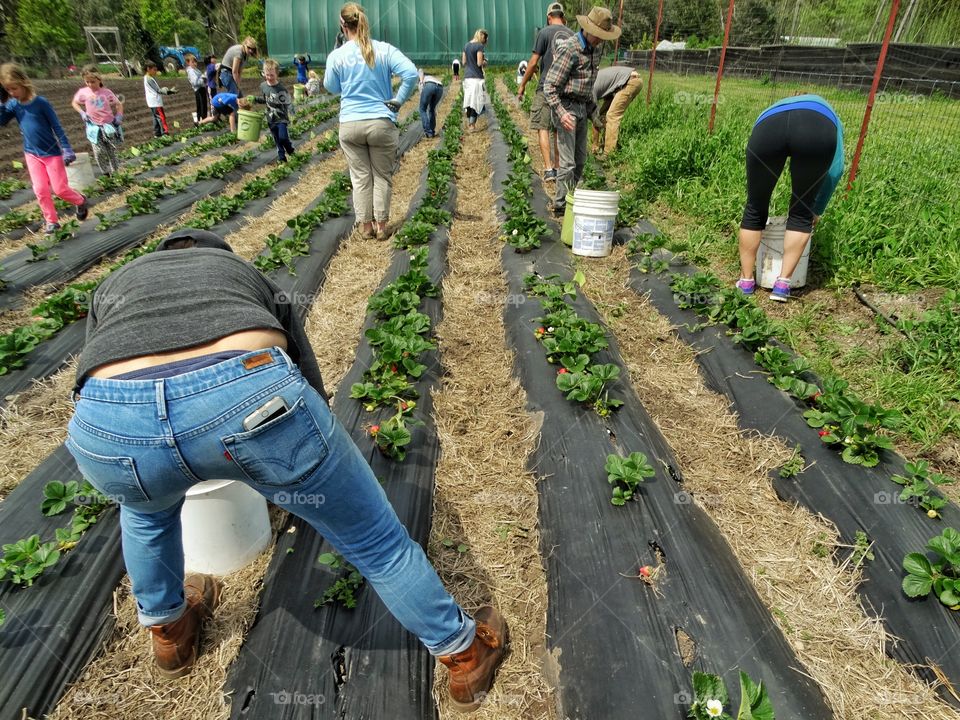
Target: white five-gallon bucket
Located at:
point(594, 220)
point(80, 172)
point(225, 526)
point(770, 256)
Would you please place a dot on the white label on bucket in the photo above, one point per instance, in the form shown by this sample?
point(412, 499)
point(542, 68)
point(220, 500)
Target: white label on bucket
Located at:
point(592, 236)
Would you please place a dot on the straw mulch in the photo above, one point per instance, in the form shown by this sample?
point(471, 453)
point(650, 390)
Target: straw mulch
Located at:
point(121, 684)
point(123, 681)
point(783, 549)
point(32, 425)
point(485, 498)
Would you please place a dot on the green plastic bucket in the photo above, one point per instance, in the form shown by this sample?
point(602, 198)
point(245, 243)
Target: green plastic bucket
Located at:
point(299, 93)
point(566, 230)
point(248, 125)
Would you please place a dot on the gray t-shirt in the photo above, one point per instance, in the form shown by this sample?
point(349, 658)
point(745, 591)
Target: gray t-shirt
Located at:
point(232, 54)
point(472, 69)
point(610, 81)
point(176, 299)
point(545, 44)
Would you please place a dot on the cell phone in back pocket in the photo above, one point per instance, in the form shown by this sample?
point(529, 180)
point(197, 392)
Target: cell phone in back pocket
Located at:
point(273, 408)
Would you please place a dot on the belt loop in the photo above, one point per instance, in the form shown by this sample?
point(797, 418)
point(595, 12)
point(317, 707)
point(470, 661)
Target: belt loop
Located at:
point(286, 358)
point(160, 400)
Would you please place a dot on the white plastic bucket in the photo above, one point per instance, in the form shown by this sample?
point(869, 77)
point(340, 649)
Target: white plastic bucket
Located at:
point(594, 220)
point(770, 256)
point(80, 172)
point(225, 526)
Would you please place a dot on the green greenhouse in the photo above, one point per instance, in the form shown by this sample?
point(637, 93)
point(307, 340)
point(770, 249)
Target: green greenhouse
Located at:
point(427, 31)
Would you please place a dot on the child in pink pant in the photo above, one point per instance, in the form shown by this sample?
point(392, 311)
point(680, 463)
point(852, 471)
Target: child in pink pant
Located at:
point(45, 146)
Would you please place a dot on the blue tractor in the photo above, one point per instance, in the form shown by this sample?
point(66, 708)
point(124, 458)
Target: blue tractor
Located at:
point(172, 57)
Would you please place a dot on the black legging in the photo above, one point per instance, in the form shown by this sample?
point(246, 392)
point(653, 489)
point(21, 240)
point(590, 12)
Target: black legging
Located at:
point(201, 98)
point(810, 140)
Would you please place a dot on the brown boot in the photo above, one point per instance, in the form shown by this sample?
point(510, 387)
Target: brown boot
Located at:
point(472, 671)
point(176, 644)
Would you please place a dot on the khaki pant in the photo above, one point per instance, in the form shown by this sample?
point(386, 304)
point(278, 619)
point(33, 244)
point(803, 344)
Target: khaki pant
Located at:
point(370, 147)
point(614, 113)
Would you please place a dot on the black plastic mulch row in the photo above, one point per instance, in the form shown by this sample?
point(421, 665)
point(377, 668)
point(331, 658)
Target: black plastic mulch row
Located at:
point(90, 245)
point(852, 497)
point(361, 662)
point(56, 626)
point(52, 354)
point(613, 639)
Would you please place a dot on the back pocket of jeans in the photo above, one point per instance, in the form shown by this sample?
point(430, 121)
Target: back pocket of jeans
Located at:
point(115, 477)
point(283, 452)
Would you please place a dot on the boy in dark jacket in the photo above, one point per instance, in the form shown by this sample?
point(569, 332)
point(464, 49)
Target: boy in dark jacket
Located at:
point(278, 101)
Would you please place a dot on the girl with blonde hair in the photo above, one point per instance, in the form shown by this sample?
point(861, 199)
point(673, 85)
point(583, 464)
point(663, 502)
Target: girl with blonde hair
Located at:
point(360, 71)
point(102, 113)
point(46, 149)
point(474, 90)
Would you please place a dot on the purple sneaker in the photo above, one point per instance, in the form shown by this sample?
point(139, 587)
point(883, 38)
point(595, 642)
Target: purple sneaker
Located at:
point(746, 286)
point(781, 290)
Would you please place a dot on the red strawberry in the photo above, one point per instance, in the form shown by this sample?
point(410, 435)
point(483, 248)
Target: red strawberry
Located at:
point(562, 371)
point(646, 571)
point(821, 433)
point(374, 429)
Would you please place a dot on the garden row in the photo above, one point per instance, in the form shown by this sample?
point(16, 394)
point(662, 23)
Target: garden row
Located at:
point(70, 304)
point(88, 571)
point(913, 555)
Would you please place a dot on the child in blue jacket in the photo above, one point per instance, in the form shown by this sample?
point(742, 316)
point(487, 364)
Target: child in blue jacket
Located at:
point(46, 149)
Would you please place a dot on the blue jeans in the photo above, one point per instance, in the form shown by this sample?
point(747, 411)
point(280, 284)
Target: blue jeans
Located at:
point(282, 140)
point(429, 97)
point(228, 82)
point(145, 442)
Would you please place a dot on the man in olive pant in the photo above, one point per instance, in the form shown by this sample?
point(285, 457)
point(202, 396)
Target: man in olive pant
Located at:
point(615, 88)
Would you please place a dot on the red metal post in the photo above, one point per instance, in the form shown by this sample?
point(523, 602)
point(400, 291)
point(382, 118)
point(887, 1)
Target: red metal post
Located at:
point(894, 8)
point(653, 56)
point(723, 55)
point(616, 45)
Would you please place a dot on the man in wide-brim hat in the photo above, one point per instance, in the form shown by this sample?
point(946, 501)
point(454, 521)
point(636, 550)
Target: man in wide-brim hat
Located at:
point(568, 90)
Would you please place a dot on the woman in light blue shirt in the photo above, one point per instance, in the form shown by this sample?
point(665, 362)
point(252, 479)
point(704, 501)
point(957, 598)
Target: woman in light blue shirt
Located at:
point(807, 130)
point(360, 71)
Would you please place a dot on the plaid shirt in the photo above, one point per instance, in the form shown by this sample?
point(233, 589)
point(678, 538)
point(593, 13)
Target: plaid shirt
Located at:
point(569, 82)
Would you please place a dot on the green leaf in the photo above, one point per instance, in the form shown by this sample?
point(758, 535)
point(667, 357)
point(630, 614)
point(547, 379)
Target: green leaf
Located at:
point(707, 686)
point(754, 702)
point(917, 586)
point(917, 564)
point(328, 558)
point(579, 278)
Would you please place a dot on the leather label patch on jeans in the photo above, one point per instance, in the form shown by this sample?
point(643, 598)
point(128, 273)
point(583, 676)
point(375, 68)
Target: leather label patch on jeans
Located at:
point(255, 361)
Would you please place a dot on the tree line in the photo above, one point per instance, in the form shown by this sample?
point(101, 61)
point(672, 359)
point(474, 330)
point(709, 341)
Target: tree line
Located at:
point(50, 32)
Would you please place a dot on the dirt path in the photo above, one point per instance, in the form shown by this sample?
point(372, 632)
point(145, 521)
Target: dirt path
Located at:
point(485, 498)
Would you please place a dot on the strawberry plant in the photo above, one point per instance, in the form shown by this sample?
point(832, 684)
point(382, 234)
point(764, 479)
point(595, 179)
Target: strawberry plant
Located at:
point(413, 233)
point(8, 187)
point(626, 474)
point(590, 387)
point(393, 435)
point(849, 423)
point(940, 576)
point(24, 560)
point(344, 590)
point(918, 487)
point(710, 698)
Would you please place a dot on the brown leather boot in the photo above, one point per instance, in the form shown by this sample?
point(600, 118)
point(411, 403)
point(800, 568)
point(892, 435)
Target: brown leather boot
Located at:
point(472, 671)
point(176, 644)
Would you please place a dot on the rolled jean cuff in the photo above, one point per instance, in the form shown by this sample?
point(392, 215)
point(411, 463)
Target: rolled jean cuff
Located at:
point(460, 640)
point(149, 620)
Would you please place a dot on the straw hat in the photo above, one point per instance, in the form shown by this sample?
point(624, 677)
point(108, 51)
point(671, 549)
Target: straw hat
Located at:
point(599, 23)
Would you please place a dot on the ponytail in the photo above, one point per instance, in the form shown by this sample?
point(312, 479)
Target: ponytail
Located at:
point(353, 17)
